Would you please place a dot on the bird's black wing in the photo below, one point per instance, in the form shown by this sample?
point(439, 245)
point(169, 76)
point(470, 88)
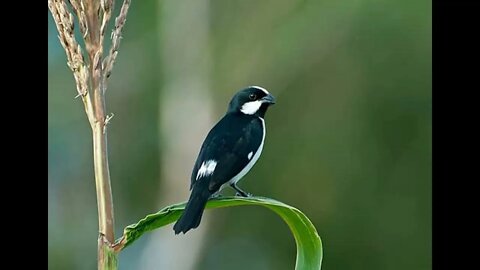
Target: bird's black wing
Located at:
point(228, 144)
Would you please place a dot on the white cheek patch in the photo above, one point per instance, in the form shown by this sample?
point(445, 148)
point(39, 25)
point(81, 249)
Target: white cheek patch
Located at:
point(251, 107)
point(250, 155)
point(207, 168)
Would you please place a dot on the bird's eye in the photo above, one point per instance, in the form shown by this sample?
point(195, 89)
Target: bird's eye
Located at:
point(252, 96)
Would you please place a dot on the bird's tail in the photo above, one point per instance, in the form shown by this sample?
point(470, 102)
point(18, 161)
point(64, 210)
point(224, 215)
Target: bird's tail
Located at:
point(192, 215)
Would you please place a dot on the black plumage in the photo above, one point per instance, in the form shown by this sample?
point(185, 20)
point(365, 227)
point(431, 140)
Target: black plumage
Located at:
point(229, 151)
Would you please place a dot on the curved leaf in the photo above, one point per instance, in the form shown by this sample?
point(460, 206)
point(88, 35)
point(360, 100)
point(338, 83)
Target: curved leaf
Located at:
point(309, 245)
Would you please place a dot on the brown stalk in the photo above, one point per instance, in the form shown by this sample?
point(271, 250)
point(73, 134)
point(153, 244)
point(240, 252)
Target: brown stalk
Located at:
point(93, 17)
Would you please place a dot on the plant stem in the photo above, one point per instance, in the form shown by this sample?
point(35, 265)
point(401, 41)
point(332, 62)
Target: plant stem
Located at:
point(109, 259)
point(93, 17)
point(104, 195)
point(106, 260)
point(94, 43)
point(100, 156)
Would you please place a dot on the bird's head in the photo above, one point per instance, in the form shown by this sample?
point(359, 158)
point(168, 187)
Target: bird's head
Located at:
point(253, 100)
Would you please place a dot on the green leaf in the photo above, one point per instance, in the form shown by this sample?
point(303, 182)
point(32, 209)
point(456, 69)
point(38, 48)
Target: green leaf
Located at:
point(309, 245)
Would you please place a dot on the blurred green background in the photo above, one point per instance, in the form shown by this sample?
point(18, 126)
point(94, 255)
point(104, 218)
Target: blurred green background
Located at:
point(348, 142)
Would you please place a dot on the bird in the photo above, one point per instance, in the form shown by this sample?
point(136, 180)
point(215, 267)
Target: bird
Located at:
point(228, 153)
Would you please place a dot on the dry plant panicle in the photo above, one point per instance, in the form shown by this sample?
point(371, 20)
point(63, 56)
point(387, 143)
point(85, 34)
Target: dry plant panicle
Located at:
point(90, 78)
point(75, 60)
point(116, 37)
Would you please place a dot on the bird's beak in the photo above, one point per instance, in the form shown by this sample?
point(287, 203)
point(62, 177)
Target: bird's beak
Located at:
point(268, 99)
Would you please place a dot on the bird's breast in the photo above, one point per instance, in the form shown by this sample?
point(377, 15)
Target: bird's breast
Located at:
point(252, 160)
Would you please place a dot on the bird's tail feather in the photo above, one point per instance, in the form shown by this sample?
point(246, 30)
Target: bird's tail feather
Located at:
point(192, 215)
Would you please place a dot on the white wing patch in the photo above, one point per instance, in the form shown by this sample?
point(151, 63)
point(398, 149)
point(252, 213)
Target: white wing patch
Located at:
point(207, 168)
point(251, 107)
point(250, 155)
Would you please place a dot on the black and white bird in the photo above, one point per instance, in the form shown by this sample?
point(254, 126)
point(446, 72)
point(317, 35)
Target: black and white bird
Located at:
point(229, 151)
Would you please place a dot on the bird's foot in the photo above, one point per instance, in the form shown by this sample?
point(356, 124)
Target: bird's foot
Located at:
point(216, 195)
point(240, 192)
point(244, 194)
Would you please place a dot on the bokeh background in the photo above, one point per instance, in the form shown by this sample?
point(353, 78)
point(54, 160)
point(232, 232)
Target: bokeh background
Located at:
point(348, 142)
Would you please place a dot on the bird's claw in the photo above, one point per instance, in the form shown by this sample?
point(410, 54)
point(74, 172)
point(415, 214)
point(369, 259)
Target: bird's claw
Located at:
point(244, 194)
